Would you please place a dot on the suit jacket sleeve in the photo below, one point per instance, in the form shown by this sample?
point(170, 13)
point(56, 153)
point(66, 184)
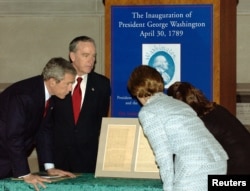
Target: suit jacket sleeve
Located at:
point(154, 130)
point(16, 133)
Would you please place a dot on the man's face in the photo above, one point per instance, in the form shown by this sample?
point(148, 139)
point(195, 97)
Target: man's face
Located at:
point(160, 63)
point(62, 88)
point(84, 58)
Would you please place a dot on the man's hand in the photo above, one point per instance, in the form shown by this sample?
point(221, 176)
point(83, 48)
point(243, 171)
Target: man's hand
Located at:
point(54, 171)
point(35, 180)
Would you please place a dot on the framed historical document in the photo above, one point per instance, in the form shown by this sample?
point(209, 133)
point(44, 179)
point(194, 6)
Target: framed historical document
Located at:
point(124, 151)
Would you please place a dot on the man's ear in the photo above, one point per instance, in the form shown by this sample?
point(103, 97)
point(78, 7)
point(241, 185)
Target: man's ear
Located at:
point(72, 56)
point(52, 82)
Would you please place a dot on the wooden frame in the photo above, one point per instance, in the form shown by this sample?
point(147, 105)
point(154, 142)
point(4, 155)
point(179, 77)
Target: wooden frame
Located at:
point(224, 44)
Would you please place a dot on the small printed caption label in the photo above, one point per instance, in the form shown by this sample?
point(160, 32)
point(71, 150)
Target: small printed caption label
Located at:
point(228, 182)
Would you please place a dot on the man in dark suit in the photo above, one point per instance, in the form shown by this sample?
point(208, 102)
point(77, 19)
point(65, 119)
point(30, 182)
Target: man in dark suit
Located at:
point(76, 140)
point(21, 116)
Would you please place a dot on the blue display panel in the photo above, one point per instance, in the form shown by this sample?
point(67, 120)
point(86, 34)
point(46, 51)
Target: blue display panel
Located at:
point(175, 39)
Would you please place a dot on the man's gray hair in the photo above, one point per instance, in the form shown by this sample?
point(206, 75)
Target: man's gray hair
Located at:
point(56, 68)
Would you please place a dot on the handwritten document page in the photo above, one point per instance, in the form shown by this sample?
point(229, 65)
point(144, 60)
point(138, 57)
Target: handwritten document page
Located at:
point(119, 147)
point(145, 159)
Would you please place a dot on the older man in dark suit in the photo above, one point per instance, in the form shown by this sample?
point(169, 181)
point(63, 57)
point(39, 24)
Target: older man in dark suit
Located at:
point(76, 131)
point(21, 114)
